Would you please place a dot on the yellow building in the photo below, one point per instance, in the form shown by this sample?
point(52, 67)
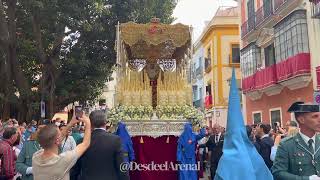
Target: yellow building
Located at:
point(221, 42)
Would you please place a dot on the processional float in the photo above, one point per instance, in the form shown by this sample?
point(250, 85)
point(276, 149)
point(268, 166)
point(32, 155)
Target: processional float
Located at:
point(153, 95)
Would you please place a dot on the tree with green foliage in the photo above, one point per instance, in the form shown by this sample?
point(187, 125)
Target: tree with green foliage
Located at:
point(62, 51)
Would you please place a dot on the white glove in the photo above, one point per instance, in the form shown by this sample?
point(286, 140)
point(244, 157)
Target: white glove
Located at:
point(314, 177)
point(29, 171)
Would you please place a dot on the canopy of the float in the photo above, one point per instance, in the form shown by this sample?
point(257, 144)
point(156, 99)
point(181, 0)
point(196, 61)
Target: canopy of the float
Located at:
point(154, 41)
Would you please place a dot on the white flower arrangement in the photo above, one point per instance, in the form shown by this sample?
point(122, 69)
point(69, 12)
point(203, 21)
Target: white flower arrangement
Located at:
point(180, 112)
point(163, 112)
point(119, 113)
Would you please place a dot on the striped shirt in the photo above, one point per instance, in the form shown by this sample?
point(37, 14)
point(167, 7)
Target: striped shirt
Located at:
point(8, 159)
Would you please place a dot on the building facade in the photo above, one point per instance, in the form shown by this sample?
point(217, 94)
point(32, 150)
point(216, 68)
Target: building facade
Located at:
point(107, 98)
point(279, 57)
point(221, 43)
point(197, 67)
point(314, 31)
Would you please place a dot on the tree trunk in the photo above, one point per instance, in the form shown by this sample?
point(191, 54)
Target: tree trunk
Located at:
point(8, 41)
point(4, 39)
point(49, 72)
point(6, 110)
point(25, 112)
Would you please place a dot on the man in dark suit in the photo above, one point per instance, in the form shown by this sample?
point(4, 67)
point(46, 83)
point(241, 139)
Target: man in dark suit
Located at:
point(265, 143)
point(215, 146)
point(103, 158)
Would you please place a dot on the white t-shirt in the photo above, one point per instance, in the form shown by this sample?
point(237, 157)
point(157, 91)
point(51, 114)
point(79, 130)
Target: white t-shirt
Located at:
point(53, 168)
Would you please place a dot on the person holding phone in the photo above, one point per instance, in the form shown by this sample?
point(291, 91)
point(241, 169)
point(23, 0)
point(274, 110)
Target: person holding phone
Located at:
point(78, 112)
point(47, 163)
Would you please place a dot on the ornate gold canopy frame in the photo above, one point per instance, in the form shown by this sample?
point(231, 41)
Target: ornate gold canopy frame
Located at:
point(148, 53)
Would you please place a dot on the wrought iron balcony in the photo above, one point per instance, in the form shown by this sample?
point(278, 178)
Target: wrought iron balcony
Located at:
point(248, 26)
point(251, 23)
point(315, 8)
point(244, 29)
point(264, 12)
point(259, 19)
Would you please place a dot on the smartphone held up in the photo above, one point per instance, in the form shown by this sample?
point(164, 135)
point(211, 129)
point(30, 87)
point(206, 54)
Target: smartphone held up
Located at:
point(78, 111)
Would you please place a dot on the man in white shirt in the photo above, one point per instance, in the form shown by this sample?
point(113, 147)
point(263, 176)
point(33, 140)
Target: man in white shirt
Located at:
point(47, 164)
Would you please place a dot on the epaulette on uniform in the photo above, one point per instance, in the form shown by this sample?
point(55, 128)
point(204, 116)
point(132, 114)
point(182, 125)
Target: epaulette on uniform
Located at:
point(287, 139)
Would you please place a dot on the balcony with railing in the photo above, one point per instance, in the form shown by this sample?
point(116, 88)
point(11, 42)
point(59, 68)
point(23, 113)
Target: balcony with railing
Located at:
point(248, 26)
point(267, 10)
point(264, 12)
point(251, 23)
point(292, 73)
point(244, 29)
point(315, 8)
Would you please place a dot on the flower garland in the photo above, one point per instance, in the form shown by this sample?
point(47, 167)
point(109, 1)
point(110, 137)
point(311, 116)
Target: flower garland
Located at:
point(167, 112)
point(119, 113)
point(180, 112)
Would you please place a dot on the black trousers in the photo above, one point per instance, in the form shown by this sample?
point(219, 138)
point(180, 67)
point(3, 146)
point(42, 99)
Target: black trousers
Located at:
point(213, 169)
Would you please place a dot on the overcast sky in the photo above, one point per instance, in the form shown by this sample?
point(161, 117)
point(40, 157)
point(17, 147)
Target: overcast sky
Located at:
point(196, 12)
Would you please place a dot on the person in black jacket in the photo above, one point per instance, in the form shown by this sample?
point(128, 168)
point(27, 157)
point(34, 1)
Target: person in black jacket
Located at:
point(104, 157)
point(265, 143)
point(215, 146)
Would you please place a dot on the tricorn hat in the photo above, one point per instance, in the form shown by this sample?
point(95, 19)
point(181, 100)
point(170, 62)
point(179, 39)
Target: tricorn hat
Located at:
point(301, 107)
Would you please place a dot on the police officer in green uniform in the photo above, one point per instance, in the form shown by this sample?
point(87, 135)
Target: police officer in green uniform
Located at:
point(298, 157)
